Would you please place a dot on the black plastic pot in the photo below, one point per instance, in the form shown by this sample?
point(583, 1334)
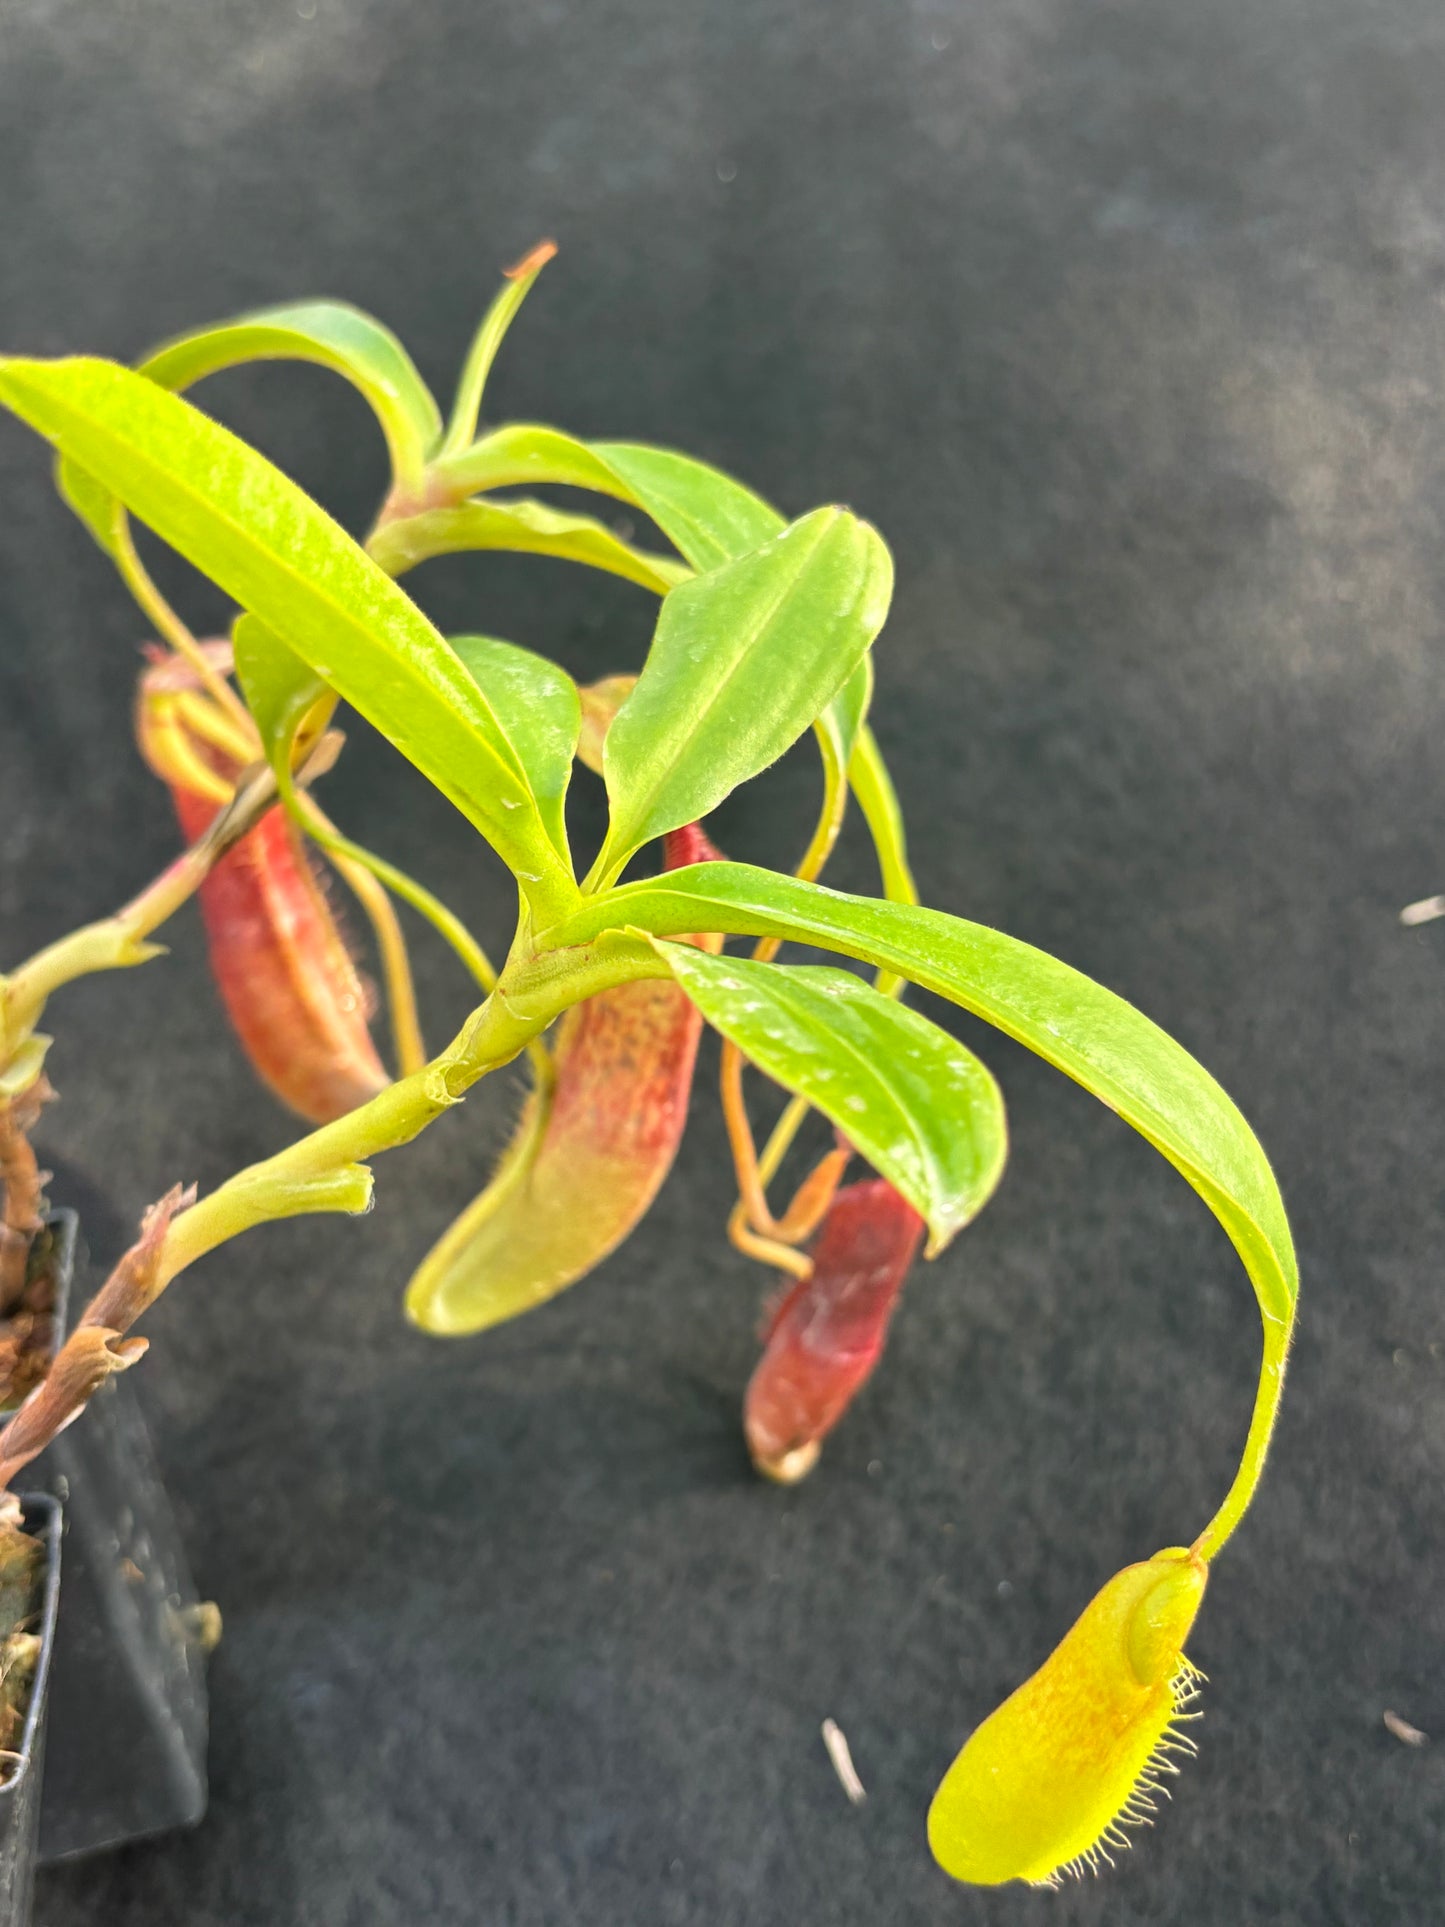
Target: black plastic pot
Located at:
point(20, 1796)
point(127, 1747)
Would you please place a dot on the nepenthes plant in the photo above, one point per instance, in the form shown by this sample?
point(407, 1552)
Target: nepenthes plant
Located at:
point(764, 633)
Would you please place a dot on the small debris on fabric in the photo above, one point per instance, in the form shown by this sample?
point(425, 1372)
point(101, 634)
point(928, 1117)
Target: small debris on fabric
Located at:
point(843, 1766)
point(1425, 911)
point(1402, 1729)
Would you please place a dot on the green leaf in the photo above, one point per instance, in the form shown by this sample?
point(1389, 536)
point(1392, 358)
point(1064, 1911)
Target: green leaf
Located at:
point(269, 546)
point(919, 1107)
point(1092, 1035)
point(278, 686)
point(536, 707)
point(878, 800)
point(520, 454)
point(743, 661)
point(329, 333)
point(528, 527)
point(334, 335)
point(540, 713)
point(709, 517)
point(712, 519)
point(872, 786)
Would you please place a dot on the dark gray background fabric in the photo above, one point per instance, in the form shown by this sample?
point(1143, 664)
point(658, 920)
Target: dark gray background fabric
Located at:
point(1124, 322)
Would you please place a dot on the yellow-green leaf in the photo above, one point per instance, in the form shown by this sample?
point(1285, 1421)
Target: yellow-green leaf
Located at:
point(744, 659)
point(267, 544)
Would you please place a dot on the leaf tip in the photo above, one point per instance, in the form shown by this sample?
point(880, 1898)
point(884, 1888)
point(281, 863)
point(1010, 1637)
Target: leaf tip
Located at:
point(532, 262)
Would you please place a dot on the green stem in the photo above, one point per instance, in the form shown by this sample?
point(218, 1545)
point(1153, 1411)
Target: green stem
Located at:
point(878, 800)
point(830, 821)
point(810, 868)
point(323, 1170)
point(98, 946)
point(398, 543)
point(1256, 1446)
point(781, 1141)
point(873, 787)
